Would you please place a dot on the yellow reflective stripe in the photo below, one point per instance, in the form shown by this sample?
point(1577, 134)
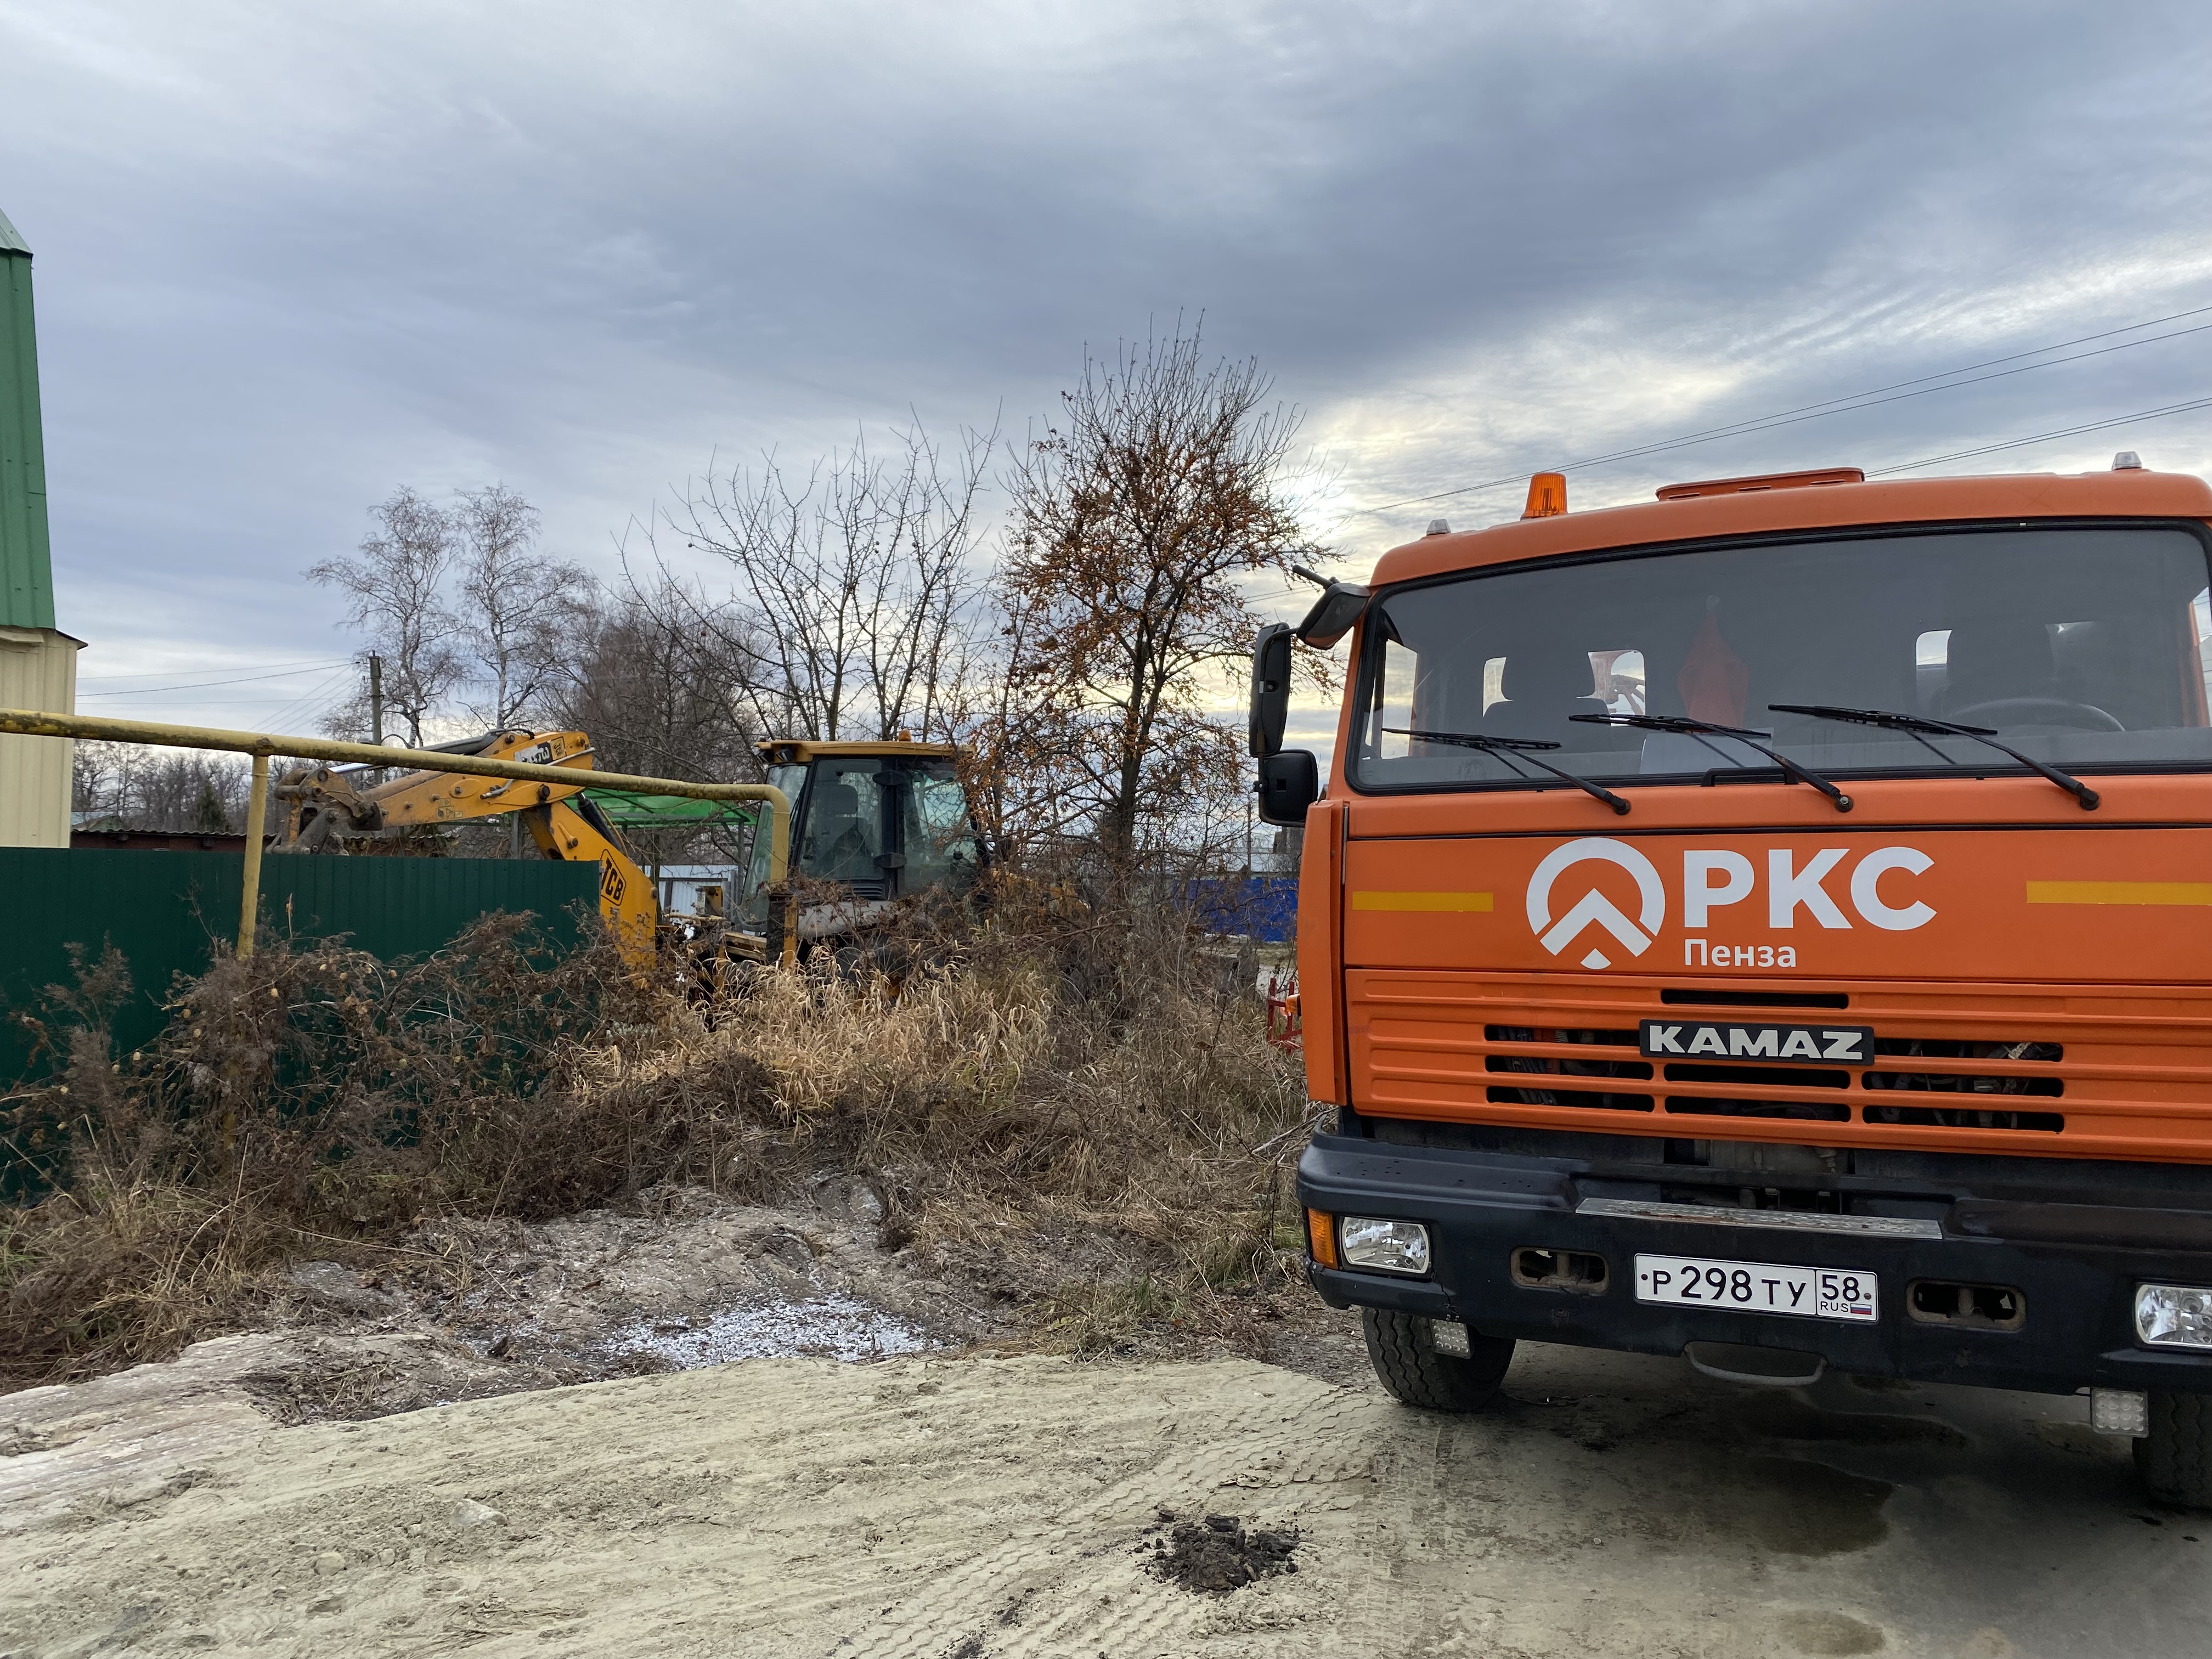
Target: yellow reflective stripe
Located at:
point(2119, 892)
point(1421, 901)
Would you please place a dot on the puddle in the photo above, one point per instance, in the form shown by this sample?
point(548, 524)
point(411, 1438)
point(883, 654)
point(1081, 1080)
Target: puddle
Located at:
point(1804, 1509)
point(1781, 1417)
point(831, 1327)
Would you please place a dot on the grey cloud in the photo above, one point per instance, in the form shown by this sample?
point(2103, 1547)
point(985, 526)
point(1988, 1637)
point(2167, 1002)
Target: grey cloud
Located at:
point(289, 259)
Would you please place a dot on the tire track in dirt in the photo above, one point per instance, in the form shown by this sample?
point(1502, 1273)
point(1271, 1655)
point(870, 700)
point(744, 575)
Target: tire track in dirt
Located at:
point(932, 1509)
point(779, 1507)
point(1088, 1580)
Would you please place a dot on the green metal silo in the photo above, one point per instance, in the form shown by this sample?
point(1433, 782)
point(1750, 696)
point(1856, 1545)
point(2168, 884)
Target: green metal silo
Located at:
point(37, 663)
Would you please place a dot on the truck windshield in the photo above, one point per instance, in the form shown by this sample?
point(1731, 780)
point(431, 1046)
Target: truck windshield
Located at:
point(2085, 647)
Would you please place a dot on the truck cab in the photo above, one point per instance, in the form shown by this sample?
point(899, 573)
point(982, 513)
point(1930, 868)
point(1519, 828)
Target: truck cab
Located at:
point(1768, 924)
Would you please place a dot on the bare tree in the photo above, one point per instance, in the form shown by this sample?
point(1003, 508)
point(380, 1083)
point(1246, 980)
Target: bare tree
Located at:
point(659, 694)
point(128, 786)
point(1134, 517)
point(656, 694)
point(854, 586)
point(394, 589)
point(521, 615)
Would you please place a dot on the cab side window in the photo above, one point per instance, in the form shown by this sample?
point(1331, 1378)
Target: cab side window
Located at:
point(939, 842)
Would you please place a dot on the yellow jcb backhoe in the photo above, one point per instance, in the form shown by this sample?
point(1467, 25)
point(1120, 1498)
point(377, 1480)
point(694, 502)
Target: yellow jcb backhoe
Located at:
point(873, 823)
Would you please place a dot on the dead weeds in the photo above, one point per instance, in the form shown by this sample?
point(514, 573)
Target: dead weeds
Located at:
point(1075, 1109)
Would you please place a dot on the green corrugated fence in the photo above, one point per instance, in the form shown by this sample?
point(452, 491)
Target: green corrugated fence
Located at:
point(161, 909)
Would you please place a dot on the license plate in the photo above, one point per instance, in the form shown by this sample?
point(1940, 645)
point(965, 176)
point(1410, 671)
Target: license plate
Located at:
point(1691, 1281)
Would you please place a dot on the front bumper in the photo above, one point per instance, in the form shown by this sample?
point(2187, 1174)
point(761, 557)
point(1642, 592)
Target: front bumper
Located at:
point(2076, 1278)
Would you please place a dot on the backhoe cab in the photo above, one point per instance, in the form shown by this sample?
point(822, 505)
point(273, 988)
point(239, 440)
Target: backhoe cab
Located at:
point(873, 823)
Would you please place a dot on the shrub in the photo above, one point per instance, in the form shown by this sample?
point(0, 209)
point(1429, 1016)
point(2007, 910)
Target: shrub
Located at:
point(1065, 1071)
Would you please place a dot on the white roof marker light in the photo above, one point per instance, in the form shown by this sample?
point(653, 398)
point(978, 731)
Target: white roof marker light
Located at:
point(2127, 461)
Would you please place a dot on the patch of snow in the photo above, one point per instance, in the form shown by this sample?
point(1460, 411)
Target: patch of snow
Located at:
point(837, 1327)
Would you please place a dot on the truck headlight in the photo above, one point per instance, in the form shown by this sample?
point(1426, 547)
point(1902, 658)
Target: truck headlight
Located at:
point(1389, 1247)
point(2171, 1315)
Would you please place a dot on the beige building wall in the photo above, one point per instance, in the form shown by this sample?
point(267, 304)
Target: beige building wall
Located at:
point(38, 670)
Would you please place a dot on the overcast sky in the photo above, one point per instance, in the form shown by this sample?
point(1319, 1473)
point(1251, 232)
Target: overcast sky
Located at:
point(292, 256)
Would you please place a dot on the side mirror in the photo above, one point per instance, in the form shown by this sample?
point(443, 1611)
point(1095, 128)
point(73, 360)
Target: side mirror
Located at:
point(1290, 782)
point(1334, 614)
point(1271, 689)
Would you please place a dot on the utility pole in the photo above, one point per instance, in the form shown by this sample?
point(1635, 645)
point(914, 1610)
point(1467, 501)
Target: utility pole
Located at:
point(376, 697)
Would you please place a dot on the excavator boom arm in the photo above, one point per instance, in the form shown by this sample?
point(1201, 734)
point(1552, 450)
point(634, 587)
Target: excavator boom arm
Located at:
point(626, 896)
point(326, 802)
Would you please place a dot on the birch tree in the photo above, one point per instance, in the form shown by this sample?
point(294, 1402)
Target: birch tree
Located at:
point(521, 617)
point(394, 588)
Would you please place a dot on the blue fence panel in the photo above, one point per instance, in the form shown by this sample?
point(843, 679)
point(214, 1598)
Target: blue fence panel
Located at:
point(1263, 908)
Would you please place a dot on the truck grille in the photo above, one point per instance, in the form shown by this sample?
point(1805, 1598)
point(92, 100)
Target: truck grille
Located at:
point(1955, 1066)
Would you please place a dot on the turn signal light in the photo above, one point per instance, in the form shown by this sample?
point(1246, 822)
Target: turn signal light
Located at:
point(1321, 1237)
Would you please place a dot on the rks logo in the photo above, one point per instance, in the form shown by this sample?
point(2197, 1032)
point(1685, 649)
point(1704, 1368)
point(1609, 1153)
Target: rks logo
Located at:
point(1594, 906)
point(1714, 879)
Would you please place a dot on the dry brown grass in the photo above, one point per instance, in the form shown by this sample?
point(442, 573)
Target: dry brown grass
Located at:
point(1086, 1095)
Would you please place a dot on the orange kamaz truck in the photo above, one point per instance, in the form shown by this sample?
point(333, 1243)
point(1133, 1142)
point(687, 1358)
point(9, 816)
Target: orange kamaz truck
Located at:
point(1773, 924)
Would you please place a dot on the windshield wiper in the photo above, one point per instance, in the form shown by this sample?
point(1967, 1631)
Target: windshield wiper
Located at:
point(1702, 729)
point(1915, 725)
point(1518, 748)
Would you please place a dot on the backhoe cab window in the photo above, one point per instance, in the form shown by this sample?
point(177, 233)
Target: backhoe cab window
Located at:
point(2086, 648)
point(938, 839)
point(792, 780)
point(881, 826)
point(844, 830)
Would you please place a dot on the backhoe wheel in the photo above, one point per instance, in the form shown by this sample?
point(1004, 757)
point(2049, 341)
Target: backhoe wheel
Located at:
point(2175, 1458)
point(1409, 1366)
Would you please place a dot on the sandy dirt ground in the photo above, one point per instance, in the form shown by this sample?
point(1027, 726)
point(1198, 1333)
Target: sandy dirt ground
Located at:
point(955, 1508)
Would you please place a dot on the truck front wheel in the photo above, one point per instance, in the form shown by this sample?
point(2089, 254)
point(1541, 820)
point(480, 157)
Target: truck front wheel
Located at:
point(2175, 1458)
point(1407, 1361)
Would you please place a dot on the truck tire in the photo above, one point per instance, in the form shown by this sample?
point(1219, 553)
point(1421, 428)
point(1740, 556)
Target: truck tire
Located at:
point(1417, 1374)
point(2175, 1458)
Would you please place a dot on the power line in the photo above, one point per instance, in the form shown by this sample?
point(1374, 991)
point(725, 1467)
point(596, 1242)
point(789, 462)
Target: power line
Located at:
point(2040, 437)
point(225, 702)
point(301, 708)
point(1992, 362)
point(1871, 399)
point(208, 685)
point(156, 673)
